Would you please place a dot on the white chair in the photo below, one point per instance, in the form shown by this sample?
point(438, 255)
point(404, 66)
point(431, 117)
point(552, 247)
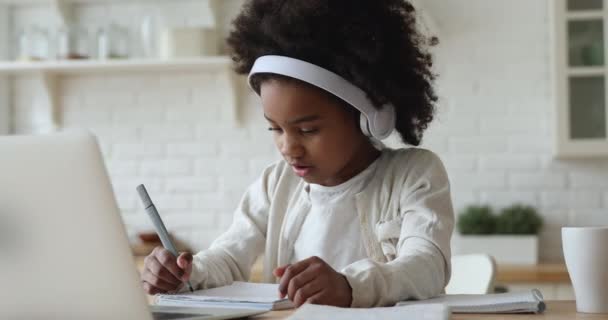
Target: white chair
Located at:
point(472, 274)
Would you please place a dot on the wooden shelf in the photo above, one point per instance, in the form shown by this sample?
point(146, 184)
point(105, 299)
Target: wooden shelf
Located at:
point(215, 63)
point(48, 74)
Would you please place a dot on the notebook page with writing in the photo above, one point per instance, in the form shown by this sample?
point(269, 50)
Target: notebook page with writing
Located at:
point(238, 294)
point(515, 302)
point(415, 312)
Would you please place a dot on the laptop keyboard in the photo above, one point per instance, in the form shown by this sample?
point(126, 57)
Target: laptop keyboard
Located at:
point(171, 315)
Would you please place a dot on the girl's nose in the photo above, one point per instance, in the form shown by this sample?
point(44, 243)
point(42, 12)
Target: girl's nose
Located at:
point(291, 147)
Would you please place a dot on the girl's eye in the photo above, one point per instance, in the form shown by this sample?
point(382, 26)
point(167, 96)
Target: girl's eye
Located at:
point(308, 130)
point(275, 129)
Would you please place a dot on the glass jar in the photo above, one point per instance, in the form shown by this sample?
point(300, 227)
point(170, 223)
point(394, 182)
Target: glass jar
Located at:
point(33, 44)
point(73, 43)
point(112, 43)
point(148, 32)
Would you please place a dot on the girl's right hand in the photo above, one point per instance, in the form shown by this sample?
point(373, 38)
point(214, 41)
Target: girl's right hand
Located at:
point(164, 273)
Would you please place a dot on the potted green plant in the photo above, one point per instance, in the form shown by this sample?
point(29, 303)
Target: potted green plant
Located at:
point(511, 236)
point(475, 220)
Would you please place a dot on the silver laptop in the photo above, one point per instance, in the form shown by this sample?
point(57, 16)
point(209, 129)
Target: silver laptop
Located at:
point(64, 252)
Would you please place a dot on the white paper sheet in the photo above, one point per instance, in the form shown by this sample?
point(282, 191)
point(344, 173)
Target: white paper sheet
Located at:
point(238, 294)
point(420, 312)
point(515, 302)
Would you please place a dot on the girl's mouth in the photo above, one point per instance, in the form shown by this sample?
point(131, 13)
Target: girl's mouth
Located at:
point(301, 170)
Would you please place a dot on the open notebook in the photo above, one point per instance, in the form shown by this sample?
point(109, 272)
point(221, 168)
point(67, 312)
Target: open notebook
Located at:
point(237, 295)
point(515, 302)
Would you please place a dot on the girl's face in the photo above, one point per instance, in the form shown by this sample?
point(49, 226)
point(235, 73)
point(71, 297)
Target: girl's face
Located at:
point(315, 133)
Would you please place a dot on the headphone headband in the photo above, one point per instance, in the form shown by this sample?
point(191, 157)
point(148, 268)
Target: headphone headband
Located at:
point(376, 123)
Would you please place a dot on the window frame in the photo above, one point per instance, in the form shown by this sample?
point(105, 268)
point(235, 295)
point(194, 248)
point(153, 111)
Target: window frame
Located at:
point(566, 147)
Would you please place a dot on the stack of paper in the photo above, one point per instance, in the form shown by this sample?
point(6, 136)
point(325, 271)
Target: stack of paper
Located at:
point(517, 302)
point(237, 295)
point(417, 312)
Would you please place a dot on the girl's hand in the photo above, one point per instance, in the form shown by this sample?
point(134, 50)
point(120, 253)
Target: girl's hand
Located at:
point(312, 280)
point(164, 273)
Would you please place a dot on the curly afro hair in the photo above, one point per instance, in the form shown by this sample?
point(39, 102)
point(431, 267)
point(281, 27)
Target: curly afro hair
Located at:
point(374, 44)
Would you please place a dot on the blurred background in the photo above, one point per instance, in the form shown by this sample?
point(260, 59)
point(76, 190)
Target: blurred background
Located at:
point(521, 121)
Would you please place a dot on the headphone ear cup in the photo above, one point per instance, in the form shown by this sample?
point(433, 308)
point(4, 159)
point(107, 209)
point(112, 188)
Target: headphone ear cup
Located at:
point(383, 122)
point(364, 124)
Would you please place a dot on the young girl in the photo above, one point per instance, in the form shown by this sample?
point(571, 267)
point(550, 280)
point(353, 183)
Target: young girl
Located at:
point(341, 220)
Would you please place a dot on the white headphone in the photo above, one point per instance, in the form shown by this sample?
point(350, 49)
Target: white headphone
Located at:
point(374, 123)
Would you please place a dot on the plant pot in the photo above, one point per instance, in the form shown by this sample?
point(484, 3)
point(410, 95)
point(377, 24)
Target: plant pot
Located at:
point(506, 249)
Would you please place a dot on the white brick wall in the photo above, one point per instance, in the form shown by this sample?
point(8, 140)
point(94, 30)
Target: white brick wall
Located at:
point(192, 165)
point(497, 110)
point(4, 106)
point(4, 81)
point(494, 129)
point(161, 129)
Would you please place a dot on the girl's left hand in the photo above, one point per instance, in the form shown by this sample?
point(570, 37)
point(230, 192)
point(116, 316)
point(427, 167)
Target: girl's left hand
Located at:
point(312, 280)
